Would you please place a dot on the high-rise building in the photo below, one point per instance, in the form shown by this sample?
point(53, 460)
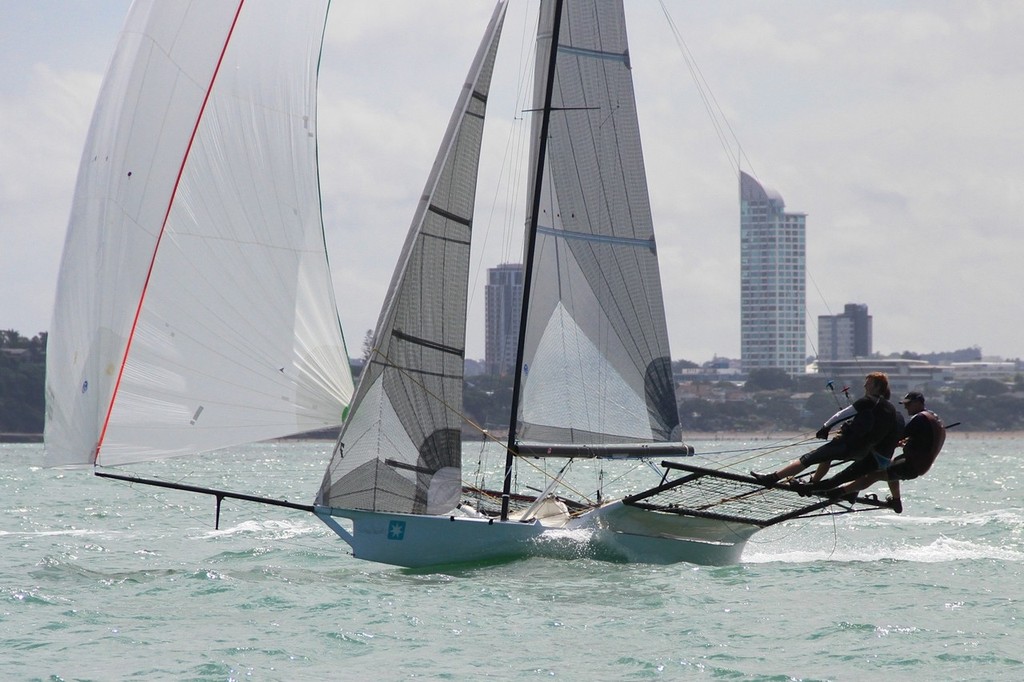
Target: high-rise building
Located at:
point(772, 281)
point(845, 336)
point(504, 296)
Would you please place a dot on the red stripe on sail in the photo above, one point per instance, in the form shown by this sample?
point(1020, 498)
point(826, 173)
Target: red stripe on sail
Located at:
point(163, 227)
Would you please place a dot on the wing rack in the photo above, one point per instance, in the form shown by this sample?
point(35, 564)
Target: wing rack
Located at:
point(725, 496)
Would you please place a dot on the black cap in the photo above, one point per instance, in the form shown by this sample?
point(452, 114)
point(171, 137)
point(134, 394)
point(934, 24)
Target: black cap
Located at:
point(911, 397)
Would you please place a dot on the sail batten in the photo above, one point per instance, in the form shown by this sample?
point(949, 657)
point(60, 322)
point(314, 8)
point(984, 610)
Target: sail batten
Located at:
point(594, 54)
point(427, 343)
point(647, 243)
point(467, 221)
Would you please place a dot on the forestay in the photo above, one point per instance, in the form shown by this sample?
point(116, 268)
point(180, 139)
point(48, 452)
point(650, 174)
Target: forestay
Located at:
point(400, 451)
point(195, 308)
point(596, 366)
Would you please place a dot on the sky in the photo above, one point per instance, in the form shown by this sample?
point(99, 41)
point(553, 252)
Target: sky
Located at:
point(896, 126)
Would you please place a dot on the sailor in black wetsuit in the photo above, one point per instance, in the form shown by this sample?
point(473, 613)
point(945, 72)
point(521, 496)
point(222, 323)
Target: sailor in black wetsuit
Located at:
point(871, 435)
point(923, 439)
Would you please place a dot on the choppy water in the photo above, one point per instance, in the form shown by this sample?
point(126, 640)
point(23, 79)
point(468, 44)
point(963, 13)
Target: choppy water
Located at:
point(103, 581)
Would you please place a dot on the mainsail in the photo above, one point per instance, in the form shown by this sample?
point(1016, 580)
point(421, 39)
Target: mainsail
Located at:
point(595, 358)
point(194, 307)
point(400, 449)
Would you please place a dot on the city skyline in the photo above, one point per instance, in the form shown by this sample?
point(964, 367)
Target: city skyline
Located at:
point(894, 127)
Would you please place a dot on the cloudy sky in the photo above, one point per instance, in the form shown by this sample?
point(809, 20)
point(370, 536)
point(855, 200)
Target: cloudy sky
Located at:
point(895, 126)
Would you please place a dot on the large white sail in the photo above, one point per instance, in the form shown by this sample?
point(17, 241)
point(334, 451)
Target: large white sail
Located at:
point(596, 367)
point(401, 448)
point(195, 308)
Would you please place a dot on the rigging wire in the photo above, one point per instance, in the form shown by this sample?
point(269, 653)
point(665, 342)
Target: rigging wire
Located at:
point(723, 130)
point(752, 454)
point(488, 437)
point(162, 498)
point(727, 137)
point(510, 171)
point(386, 361)
point(301, 538)
point(835, 538)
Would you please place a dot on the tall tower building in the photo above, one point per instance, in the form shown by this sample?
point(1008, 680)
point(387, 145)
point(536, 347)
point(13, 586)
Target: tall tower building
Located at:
point(845, 336)
point(773, 294)
point(504, 296)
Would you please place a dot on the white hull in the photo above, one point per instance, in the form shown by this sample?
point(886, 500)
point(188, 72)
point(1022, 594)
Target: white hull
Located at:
point(642, 536)
point(612, 532)
point(413, 540)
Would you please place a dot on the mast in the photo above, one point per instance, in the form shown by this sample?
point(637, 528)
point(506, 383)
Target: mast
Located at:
point(531, 237)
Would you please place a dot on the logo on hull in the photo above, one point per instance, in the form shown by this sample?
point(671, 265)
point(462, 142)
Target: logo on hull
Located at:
point(396, 530)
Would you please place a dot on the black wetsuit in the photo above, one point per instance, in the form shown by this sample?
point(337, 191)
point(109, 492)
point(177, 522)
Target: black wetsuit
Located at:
point(925, 437)
point(869, 438)
point(875, 428)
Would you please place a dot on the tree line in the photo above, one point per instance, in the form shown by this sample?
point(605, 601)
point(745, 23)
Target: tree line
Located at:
point(22, 381)
point(767, 402)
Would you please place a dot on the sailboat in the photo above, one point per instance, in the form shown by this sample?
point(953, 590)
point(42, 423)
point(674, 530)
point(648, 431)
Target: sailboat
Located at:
point(593, 375)
point(195, 308)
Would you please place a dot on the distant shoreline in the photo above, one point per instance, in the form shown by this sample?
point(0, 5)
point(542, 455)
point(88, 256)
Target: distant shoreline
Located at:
point(21, 438)
point(954, 434)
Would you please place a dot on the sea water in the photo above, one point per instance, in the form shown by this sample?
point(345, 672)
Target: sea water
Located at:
point(107, 581)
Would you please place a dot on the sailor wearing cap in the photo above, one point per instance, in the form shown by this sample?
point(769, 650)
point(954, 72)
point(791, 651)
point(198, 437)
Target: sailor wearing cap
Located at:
point(923, 439)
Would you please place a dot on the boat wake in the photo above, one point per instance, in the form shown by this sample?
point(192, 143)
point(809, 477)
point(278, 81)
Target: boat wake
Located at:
point(560, 543)
point(939, 550)
point(267, 529)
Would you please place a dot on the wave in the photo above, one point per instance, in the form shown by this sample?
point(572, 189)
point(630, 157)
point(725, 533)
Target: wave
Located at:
point(269, 529)
point(49, 533)
point(940, 549)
